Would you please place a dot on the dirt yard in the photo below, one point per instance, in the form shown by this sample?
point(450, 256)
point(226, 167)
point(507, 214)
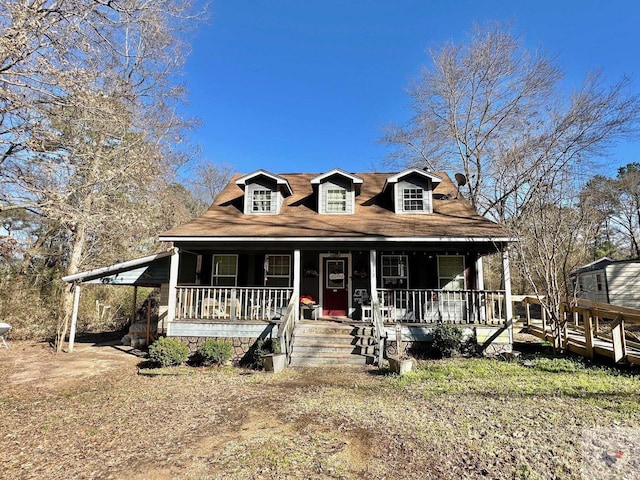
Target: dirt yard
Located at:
point(89, 414)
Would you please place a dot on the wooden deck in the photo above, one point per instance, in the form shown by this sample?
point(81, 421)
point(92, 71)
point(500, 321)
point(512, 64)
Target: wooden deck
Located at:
point(593, 330)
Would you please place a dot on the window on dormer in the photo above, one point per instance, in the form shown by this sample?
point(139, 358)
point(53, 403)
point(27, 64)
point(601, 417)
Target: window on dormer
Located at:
point(261, 201)
point(336, 200)
point(413, 199)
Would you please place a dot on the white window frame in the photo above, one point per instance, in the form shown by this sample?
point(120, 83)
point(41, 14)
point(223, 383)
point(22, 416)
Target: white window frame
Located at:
point(215, 275)
point(401, 277)
point(410, 201)
point(342, 202)
point(448, 279)
point(258, 204)
point(599, 283)
point(268, 275)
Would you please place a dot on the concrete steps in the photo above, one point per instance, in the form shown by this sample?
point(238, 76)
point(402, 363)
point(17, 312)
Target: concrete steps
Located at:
point(319, 343)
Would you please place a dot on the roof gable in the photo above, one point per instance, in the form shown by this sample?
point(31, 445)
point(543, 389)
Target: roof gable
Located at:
point(355, 179)
point(281, 182)
point(435, 179)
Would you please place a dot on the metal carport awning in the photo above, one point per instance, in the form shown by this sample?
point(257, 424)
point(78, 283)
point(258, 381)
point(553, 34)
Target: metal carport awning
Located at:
point(148, 271)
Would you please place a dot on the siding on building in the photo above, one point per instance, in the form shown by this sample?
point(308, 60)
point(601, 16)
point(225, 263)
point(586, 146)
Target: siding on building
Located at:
point(623, 279)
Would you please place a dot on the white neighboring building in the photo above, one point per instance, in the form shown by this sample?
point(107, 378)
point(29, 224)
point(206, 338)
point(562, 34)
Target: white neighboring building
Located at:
point(609, 281)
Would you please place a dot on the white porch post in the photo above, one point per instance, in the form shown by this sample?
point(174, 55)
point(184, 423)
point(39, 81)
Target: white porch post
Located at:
point(508, 308)
point(373, 255)
point(296, 281)
point(173, 283)
point(74, 316)
point(479, 274)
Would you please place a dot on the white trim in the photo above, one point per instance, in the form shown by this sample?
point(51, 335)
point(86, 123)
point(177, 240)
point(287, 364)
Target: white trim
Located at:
point(398, 176)
point(338, 239)
point(74, 316)
point(464, 271)
point(288, 277)
point(373, 269)
point(402, 257)
point(280, 181)
point(296, 280)
point(479, 273)
point(116, 266)
point(173, 283)
point(214, 275)
point(336, 171)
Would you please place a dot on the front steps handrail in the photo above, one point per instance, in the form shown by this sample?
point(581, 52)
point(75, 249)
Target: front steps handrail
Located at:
point(378, 329)
point(287, 328)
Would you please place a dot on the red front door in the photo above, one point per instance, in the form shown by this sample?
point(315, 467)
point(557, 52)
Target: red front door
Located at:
point(336, 295)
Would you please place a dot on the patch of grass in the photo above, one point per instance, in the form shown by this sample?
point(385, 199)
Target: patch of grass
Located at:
point(542, 376)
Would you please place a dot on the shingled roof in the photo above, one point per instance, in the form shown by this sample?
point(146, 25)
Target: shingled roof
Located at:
point(373, 217)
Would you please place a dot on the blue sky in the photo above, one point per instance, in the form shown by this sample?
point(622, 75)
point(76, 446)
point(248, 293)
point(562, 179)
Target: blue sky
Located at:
point(306, 86)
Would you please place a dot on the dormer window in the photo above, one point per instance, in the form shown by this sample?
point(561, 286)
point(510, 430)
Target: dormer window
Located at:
point(336, 191)
point(264, 192)
point(412, 191)
point(412, 199)
point(261, 201)
point(336, 200)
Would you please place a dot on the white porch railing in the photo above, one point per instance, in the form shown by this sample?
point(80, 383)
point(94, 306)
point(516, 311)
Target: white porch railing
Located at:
point(231, 303)
point(443, 306)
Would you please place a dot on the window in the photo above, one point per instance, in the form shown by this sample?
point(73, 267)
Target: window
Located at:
point(261, 201)
point(599, 281)
point(395, 271)
point(278, 270)
point(225, 270)
point(336, 200)
point(412, 199)
point(451, 272)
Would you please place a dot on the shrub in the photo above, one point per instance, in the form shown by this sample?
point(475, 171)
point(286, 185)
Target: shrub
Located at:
point(168, 351)
point(447, 340)
point(215, 351)
point(262, 347)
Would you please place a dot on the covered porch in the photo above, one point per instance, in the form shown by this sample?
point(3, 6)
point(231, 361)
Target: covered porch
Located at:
point(405, 284)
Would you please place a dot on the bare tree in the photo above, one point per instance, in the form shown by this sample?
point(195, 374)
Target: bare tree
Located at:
point(87, 118)
point(618, 202)
point(554, 230)
point(207, 180)
point(495, 111)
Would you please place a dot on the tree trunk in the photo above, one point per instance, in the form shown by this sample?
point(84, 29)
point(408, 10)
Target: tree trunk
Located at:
point(66, 304)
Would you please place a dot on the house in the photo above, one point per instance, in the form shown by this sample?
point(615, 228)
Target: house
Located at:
point(608, 281)
point(368, 250)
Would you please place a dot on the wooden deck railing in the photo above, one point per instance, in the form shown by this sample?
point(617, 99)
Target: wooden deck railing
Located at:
point(231, 303)
point(443, 306)
point(590, 328)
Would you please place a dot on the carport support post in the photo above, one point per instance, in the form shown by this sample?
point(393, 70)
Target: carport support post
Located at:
point(74, 315)
point(508, 308)
point(135, 304)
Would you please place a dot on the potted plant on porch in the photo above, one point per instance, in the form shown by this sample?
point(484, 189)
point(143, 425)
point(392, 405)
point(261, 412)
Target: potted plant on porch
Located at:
point(400, 363)
point(272, 358)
